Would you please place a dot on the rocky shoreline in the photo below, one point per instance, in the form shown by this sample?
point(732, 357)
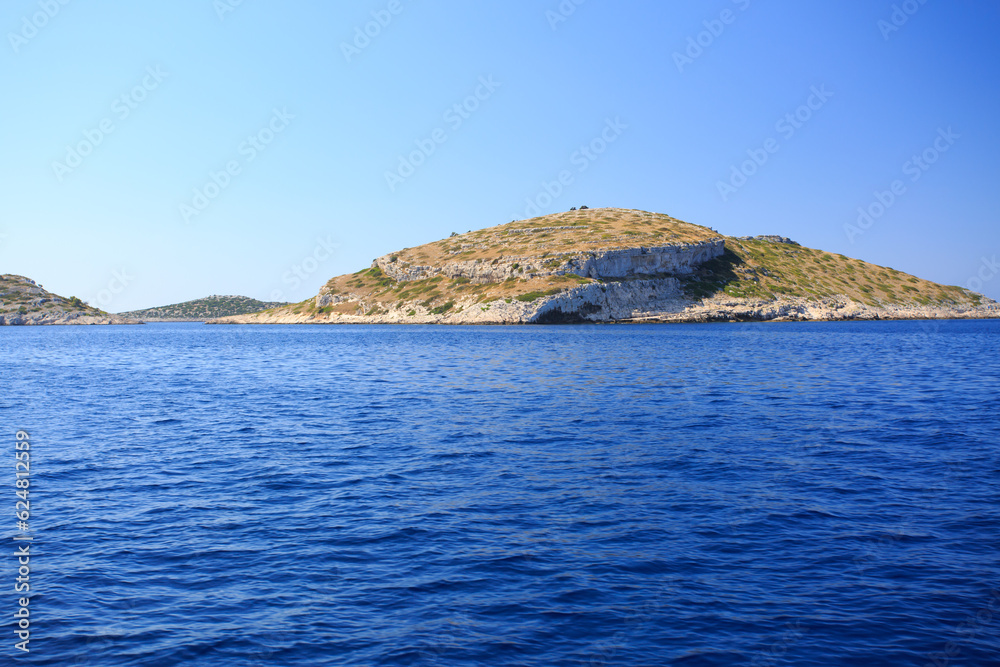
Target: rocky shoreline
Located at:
point(57, 318)
point(802, 310)
point(160, 320)
point(636, 301)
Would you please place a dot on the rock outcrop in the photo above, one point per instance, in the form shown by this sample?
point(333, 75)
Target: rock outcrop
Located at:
point(770, 238)
point(681, 258)
point(655, 300)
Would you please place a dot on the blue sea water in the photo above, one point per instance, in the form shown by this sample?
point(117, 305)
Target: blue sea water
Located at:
point(721, 494)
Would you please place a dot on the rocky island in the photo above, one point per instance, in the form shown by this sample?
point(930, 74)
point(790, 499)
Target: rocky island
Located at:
point(619, 265)
point(22, 301)
point(199, 310)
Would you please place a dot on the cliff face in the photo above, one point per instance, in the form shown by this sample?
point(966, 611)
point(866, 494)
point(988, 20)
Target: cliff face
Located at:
point(681, 258)
point(605, 265)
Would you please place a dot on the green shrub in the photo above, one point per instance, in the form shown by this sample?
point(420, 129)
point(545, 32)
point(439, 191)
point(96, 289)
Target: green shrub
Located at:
point(532, 296)
point(443, 309)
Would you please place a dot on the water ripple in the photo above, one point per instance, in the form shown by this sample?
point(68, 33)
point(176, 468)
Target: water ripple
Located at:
point(767, 494)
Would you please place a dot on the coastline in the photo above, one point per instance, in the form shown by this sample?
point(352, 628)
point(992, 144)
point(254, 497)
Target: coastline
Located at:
point(709, 310)
point(71, 319)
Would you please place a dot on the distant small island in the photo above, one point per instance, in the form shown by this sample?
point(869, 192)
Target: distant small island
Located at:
point(620, 265)
point(199, 310)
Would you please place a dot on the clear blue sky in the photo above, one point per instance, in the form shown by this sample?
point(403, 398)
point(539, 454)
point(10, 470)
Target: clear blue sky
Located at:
point(682, 125)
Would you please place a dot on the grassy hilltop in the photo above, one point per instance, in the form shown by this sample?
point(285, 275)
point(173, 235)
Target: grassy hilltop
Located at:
point(549, 238)
point(532, 262)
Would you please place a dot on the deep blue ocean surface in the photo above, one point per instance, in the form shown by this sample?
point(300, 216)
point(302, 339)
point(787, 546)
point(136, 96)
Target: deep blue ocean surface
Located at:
point(729, 494)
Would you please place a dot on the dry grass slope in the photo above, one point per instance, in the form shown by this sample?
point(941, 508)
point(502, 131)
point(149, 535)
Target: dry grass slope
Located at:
point(765, 270)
